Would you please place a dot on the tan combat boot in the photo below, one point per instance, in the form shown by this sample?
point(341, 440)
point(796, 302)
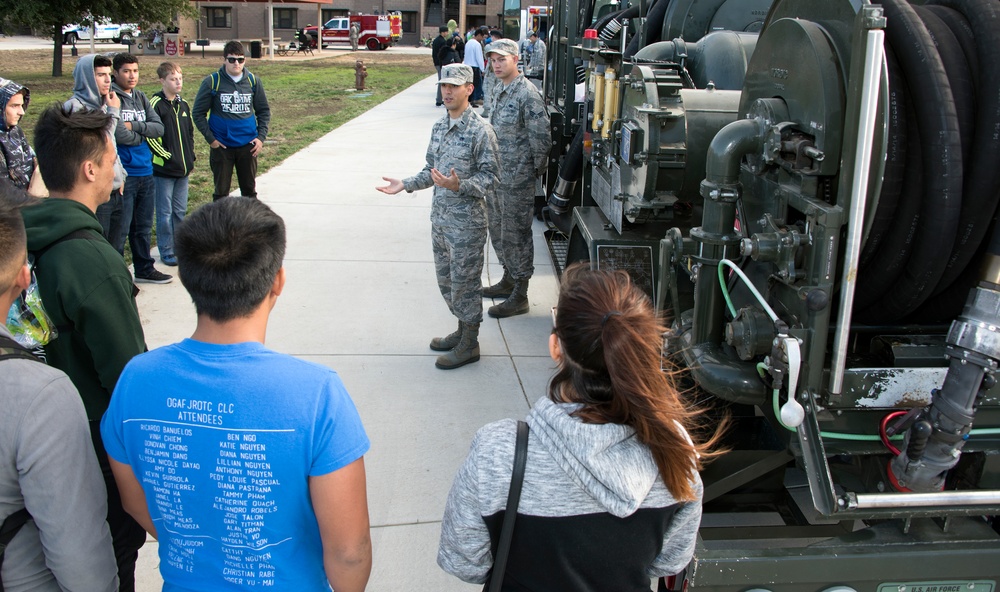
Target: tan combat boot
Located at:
point(500, 289)
point(516, 303)
point(447, 342)
point(466, 352)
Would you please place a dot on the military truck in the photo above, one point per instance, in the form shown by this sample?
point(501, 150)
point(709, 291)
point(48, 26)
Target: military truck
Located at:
point(808, 190)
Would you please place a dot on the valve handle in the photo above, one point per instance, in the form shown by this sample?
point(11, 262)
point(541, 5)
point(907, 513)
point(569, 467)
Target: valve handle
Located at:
point(792, 413)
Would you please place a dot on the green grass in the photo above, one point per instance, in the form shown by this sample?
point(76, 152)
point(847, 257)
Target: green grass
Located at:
point(307, 98)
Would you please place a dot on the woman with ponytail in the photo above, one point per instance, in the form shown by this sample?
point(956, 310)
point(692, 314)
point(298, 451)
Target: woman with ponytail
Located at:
point(611, 494)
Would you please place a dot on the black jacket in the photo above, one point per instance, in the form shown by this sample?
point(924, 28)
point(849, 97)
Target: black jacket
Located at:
point(436, 46)
point(173, 154)
point(448, 55)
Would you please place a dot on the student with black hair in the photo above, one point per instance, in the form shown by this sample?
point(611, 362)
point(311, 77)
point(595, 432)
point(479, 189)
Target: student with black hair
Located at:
point(439, 42)
point(232, 113)
point(85, 286)
point(17, 159)
point(271, 490)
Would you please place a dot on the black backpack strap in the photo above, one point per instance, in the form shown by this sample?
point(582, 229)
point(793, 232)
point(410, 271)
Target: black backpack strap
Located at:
point(11, 525)
point(10, 349)
point(80, 233)
point(510, 513)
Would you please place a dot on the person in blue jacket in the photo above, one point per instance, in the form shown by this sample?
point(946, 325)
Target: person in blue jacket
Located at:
point(231, 111)
point(139, 123)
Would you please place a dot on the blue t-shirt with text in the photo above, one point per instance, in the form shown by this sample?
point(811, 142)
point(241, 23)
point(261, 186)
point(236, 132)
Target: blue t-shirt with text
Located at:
point(223, 439)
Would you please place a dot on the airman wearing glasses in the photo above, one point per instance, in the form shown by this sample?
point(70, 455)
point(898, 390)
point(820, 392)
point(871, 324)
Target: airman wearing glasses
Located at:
point(231, 111)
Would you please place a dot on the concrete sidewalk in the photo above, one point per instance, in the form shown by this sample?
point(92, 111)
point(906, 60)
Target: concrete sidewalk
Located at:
point(362, 299)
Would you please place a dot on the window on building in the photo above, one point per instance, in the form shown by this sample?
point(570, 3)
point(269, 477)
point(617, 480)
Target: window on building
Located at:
point(408, 21)
point(219, 18)
point(286, 18)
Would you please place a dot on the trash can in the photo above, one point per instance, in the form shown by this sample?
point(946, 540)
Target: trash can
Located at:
point(173, 45)
point(255, 49)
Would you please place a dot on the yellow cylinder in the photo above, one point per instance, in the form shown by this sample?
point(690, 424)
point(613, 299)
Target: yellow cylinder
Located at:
point(610, 100)
point(598, 80)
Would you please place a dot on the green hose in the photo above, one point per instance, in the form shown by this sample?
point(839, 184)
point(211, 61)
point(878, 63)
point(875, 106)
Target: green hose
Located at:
point(725, 292)
point(762, 370)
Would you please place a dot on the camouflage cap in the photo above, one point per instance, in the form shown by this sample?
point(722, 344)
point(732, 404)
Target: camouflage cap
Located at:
point(457, 74)
point(502, 47)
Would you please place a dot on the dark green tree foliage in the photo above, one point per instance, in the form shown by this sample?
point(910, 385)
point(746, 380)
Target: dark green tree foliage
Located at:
point(51, 15)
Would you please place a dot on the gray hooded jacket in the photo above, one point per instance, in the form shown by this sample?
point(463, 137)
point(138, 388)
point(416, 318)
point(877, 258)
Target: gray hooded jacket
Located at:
point(87, 96)
point(594, 514)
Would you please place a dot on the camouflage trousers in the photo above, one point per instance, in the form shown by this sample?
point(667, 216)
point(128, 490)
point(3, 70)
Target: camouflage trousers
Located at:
point(458, 261)
point(509, 212)
point(490, 83)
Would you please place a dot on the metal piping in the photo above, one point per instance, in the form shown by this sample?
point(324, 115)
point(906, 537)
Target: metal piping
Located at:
point(868, 501)
point(715, 237)
point(726, 151)
point(859, 193)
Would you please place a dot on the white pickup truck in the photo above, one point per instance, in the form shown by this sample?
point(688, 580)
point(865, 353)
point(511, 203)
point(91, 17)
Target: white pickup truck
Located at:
point(103, 31)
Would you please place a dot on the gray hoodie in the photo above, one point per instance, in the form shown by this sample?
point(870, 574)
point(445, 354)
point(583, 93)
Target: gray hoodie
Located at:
point(594, 513)
point(87, 96)
point(48, 465)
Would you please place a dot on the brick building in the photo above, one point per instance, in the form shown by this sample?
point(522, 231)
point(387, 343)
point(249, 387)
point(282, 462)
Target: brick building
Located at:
point(221, 21)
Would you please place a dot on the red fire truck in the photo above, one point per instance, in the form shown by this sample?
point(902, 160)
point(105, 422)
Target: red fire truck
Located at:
point(377, 31)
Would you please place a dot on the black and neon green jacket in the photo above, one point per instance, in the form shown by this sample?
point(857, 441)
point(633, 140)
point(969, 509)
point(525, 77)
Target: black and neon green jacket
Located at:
point(173, 154)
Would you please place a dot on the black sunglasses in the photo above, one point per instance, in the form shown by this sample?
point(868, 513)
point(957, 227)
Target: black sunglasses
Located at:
point(234, 60)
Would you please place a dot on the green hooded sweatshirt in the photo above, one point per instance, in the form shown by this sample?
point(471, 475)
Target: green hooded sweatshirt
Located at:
point(88, 292)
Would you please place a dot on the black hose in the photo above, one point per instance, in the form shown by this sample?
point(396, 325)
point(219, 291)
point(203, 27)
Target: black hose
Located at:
point(993, 247)
point(962, 30)
point(620, 15)
point(651, 28)
point(959, 78)
point(560, 208)
point(984, 175)
point(885, 266)
point(941, 205)
point(895, 165)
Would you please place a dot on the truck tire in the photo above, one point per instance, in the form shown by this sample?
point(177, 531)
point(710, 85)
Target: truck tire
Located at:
point(70, 39)
point(125, 39)
point(372, 44)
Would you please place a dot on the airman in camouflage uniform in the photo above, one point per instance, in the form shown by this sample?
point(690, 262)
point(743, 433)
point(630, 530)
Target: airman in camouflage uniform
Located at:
point(521, 123)
point(490, 82)
point(536, 66)
point(463, 167)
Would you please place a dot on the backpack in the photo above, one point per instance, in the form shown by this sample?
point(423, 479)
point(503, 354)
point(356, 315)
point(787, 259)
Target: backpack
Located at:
point(215, 85)
point(35, 258)
point(10, 349)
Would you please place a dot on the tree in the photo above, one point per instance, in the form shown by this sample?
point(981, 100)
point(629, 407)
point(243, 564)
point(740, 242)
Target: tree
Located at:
point(51, 15)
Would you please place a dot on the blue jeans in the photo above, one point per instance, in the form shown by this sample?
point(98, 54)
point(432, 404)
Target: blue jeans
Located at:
point(171, 205)
point(115, 217)
point(141, 192)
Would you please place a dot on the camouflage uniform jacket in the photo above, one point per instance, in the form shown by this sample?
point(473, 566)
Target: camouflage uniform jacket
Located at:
point(521, 123)
point(536, 67)
point(469, 147)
